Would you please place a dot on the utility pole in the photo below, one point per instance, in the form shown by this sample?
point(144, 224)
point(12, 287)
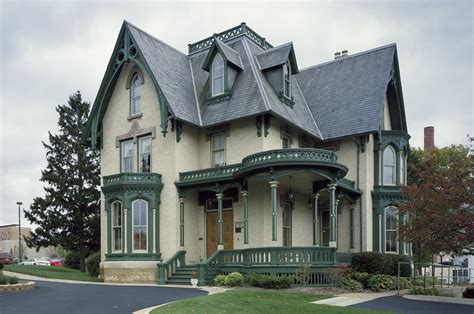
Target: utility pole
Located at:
point(19, 231)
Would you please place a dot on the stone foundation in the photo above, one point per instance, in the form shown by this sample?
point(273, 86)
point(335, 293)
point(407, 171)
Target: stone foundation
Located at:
point(130, 272)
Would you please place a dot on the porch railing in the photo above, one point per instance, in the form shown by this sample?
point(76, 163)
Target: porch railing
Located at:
point(166, 269)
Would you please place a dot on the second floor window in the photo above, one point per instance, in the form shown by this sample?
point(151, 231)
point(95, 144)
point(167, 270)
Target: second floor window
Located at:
point(285, 141)
point(144, 154)
point(217, 75)
point(287, 80)
point(389, 166)
point(127, 156)
point(218, 149)
point(135, 95)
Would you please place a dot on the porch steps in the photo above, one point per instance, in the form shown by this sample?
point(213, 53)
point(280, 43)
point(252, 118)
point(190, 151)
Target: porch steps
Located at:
point(182, 275)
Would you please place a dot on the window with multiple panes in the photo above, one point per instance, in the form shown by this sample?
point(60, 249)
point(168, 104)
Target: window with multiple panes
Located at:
point(140, 227)
point(127, 156)
point(391, 229)
point(389, 166)
point(285, 141)
point(287, 224)
point(287, 80)
point(144, 154)
point(217, 75)
point(116, 226)
point(135, 94)
point(218, 149)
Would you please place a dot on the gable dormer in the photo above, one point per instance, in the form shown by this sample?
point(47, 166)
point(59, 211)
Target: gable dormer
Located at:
point(223, 64)
point(279, 65)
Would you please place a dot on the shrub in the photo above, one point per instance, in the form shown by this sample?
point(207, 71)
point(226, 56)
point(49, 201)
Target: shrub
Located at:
point(234, 279)
point(93, 264)
point(220, 280)
point(387, 282)
point(421, 291)
point(363, 278)
point(350, 284)
point(3, 279)
point(405, 269)
point(12, 280)
point(371, 262)
point(73, 260)
point(302, 273)
point(1, 266)
point(268, 282)
point(468, 293)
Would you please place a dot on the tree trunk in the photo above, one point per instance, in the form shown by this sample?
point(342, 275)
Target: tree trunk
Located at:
point(82, 266)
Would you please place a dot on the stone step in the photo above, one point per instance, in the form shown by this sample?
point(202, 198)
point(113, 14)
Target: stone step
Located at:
point(178, 281)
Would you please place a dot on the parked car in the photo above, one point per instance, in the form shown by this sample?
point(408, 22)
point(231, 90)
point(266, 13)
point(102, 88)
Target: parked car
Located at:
point(36, 261)
point(57, 262)
point(6, 258)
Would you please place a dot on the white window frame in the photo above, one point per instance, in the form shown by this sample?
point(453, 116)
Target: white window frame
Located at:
point(141, 153)
point(134, 226)
point(287, 79)
point(393, 166)
point(217, 74)
point(123, 157)
point(221, 149)
point(386, 230)
point(114, 226)
point(135, 95)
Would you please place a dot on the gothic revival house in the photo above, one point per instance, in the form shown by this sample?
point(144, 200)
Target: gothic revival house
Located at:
point(232, 158)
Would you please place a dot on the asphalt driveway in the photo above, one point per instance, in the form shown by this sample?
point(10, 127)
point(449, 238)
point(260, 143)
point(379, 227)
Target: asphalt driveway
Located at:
point(51, 297)
point(399, 304)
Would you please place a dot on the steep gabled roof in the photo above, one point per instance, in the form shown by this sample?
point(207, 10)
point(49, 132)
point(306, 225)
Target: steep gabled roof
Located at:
point(346, 95)
point(228, 53)
point(276, 56)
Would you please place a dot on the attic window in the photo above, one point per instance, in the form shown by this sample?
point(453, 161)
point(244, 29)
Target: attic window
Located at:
point(217, 75)
point(287, 80)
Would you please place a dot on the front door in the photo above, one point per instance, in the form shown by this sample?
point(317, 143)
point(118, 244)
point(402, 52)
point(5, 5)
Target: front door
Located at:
point(227, 230)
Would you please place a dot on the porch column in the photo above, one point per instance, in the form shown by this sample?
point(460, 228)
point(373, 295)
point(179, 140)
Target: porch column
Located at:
point(246, 217)
point(154, 230)
point(332, 215)
point(352, 226)
point(380, 233)
point(126, 231)
point(109, 230)
point(274, 189)
point(337, 221)
point(220, 240)
point(315, 219)
point(181, 222)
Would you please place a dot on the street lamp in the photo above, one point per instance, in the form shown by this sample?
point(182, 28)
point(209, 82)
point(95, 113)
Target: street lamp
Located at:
point(19, 231)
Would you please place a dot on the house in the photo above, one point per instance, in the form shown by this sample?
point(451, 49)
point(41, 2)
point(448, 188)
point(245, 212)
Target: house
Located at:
point(232, 158)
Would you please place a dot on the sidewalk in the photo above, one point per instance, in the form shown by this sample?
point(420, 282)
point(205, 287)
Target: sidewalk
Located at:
point(348, 299)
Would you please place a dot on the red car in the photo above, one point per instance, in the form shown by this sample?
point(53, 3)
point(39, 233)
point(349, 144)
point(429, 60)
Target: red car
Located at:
point(56, 262)
point(6, 258)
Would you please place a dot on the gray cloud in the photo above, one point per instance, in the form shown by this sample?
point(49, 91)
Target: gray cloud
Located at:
point(51, 49)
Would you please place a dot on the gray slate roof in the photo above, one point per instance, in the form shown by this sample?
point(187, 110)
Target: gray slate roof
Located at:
point(230, 54)
point(346, 95)
point(332, 100)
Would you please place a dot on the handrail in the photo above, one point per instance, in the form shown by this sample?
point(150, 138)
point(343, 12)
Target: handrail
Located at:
point(166, 269)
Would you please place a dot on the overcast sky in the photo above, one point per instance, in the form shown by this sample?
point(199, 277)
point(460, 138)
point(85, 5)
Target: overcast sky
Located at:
point(50, 49)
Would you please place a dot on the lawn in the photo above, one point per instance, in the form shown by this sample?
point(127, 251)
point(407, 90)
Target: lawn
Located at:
point(255, 301)
point(56, 272)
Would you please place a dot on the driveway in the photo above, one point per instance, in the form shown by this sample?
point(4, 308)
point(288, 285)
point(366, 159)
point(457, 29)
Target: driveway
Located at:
point(399, 304)
point(52, 297)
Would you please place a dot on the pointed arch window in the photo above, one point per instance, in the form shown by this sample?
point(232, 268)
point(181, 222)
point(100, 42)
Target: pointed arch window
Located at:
point(217, 75)
point(140, 225)
point(389, 166)
point(135, 94)
point(391, 229)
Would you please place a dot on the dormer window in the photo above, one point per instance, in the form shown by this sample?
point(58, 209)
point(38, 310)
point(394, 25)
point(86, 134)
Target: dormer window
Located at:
point(287, 80)
point(135, 95)
point(217, 75)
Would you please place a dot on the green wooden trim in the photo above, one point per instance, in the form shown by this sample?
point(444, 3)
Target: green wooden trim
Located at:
point(181, 222)
point(332, 213)
point(274, 192)
point(245, 201)
point(220, 238)
point(109, 228)
point(314, 200)
point(352, 227)
point(167, 268)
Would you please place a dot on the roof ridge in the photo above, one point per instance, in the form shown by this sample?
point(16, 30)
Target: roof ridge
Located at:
point(195, 92)
point(307, 106)
point(350, 56)
point(155, 38)
point(271, 49)
point(223, 43)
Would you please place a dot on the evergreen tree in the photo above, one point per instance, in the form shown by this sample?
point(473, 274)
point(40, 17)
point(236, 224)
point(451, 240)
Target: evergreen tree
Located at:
point(68, 214)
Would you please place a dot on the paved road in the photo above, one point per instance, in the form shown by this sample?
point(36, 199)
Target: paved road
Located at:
point(399, 304)
point(49, 297)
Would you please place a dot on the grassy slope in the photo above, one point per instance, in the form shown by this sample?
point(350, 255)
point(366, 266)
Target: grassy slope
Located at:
point(55, 272)
point(255, 301)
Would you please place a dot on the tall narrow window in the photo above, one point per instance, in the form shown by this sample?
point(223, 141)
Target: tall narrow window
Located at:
point(140, 219)
point(389, 173)
point(218, 149)
point(286, 224)
point(287, 80)
point(217, 75)
point(402, 168)
point(135, 94)
point(391, 229)
point(116, 226)
point(285, 141)
point(127, 156)
point(144, 154)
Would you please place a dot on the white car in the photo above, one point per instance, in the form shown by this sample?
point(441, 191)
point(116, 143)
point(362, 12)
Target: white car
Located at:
point(36, 261)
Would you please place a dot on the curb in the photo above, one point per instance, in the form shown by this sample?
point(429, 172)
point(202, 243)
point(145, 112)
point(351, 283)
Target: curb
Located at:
point(430, 298)
point(30, 285)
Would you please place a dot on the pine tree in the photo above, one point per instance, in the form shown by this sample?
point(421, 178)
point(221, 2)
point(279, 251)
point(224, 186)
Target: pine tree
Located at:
point(68, 214)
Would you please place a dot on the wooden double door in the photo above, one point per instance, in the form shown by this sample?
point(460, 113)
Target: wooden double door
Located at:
point(227, 230)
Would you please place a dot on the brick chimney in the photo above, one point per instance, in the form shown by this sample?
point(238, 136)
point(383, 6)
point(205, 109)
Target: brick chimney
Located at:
point(429, 139)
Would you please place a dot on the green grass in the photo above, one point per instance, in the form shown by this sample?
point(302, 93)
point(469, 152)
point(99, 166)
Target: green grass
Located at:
point(255, 301)
point(55, 272)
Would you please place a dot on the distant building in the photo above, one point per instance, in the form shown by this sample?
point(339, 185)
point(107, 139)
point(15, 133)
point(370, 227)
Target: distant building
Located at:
point(10, 232)
point(9, 243)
